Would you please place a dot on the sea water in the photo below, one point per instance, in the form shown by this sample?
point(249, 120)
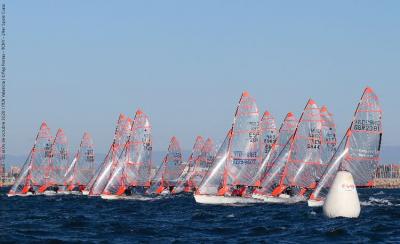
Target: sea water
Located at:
point(72, 218)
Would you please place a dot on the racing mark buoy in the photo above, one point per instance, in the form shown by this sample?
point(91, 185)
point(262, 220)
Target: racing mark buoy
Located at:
point(342, 199)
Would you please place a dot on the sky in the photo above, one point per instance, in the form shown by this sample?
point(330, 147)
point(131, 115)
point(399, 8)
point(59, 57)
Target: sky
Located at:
point(79, 64)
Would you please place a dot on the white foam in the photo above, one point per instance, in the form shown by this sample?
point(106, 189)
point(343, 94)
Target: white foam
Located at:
point(372, 201)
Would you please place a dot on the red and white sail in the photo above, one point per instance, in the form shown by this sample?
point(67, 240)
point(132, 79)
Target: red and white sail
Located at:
point(213, 180)
point(32, 174)
point(202, 163)
point(304, 165)
point(279, 148)
point(134, 163)
point(268, 135)
point(103, 175)
point(329, 135)
point(169, 171)
point(81, 169)
point(60, 160)
point(239, 157)
point(184, 183)
point(358, 152)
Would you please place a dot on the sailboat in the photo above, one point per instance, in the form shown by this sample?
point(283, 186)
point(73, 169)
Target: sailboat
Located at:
point(270, 177)
point(131, 177)
point(32, 173)
point(202, 164)
point(268, 135)
point(237, 160)
point(169, 171)
point(184, 183)
point(81, 169)
point(55, 170)
point(358, 151)
point(301, 158)
point(103, 174)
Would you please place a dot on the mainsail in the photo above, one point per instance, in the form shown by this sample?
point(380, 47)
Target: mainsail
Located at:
point(81, 169)
point(134, 162)
point(304, 165)
point(202, 163)
point(268, 135)
point(277, 156)
point(213, 180)
point(102, 176)
point(59, 162)
point(32, 173)
point(239, 157)
point(169, 171)
point(184, 183)
point(359, 149)
point(329, 135)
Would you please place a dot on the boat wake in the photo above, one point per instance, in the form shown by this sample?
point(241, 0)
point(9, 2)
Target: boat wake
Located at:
point(372, 201)
point(379, 193)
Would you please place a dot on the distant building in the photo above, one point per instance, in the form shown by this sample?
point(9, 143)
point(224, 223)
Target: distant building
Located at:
point(14, 172)
point(388, 171)
point(2, 169)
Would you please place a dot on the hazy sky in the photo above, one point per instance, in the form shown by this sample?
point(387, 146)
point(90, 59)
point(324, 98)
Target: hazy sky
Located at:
point(78, 64)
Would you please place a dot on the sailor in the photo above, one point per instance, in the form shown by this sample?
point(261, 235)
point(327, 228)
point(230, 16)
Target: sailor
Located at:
point(81, 187)
point(128, 191)
point(31, 190)
point(288, 191)
point(238, 191)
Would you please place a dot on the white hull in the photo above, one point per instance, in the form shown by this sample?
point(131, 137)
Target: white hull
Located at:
point(85, 192)
point(133, 197)
point(72, 193)
point(315, 203)
point(209, 199)
point(165, 192)
point(283, 198)
point(20, 195)
point(49, 193)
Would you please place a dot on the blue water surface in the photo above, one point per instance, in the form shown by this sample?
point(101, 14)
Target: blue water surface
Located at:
point(179, 219)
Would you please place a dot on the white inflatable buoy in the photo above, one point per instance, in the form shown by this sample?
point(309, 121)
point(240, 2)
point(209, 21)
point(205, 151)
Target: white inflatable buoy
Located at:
point(342, 199)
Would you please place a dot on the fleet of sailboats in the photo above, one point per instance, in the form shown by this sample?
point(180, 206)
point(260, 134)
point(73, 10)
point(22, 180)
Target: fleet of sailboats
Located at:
point(256, 163)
